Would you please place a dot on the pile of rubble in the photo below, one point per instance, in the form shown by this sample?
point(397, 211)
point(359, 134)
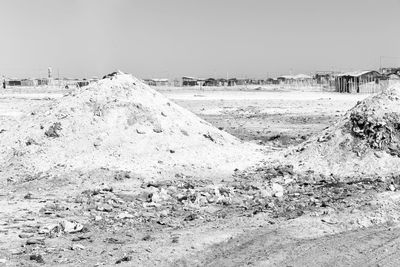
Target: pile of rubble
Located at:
point(118, 123)
point(365, 141)
point(174, 203)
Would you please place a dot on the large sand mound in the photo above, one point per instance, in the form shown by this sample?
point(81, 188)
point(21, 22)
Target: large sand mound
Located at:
point(365, 141)
point(118, 123)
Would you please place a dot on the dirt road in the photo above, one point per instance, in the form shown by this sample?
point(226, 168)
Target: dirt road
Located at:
point(377, 246)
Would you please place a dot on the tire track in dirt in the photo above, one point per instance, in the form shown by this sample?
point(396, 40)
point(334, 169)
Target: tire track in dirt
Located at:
point(377, 246)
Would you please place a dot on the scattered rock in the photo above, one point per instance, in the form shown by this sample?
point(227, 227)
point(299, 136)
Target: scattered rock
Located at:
point(277, 190)
point(35, 241)
point(146, 237)
point(25, 235)
point(125, 215)
point(79, 238)
point(113, 240)
point(37, 257)
point(104, 207)
point(53, 130)
point(30, 141)
point(124, 259)
point(77, 247)
point(71, 227)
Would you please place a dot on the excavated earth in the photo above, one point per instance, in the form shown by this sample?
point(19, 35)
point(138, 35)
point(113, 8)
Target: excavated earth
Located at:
point(115, 173)
point(118, 124)
point(364, 142)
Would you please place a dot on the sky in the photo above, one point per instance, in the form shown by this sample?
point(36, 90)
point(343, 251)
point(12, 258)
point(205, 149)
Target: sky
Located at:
point(201, 38)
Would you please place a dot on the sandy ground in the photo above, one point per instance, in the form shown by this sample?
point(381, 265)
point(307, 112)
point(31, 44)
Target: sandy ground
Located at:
point(186, 222)
point(267, 117)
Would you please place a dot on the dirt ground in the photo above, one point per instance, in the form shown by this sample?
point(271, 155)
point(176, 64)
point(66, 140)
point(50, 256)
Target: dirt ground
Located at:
point(276, 118)
point(105, 218)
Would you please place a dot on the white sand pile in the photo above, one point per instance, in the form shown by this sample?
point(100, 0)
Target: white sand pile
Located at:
point(365, 141)
point(119, 123)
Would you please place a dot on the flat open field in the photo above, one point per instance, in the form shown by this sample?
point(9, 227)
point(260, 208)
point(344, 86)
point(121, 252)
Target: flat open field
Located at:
point(267, 117)
point(318, 225)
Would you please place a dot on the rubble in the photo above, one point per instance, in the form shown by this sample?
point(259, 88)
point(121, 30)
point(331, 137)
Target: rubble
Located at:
point(36, 257)
point(71, 227)
point(365, 141)
point(53, 130)
point(35, 241)
point(124, 259)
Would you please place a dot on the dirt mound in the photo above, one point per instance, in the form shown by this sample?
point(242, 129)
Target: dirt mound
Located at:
point(118, 123)
point(365, 141)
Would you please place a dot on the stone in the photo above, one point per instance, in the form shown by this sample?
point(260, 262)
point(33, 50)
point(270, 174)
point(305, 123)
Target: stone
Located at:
point(71, 227)
point(25, 235)
point(36, 257)
point(124, 259)
point(77, 247)
point(125, 215)
point(35, 241)
point(277, 190)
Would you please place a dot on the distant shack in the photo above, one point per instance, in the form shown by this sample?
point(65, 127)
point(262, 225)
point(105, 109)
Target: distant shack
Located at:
point(367, 81)
point(299, 80)
point(157, 82)
point(192, 81)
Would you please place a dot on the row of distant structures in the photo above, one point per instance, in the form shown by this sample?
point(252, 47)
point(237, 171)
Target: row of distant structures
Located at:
point(357, 81)
point(368, 81)
point(56, 82)
point(48, 81)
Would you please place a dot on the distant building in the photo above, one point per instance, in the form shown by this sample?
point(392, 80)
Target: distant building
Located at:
point(299, 80)
point(272, 81)
point(358, 82)
point(28, 82)
point(392, 70)
point(393, 76)
point(232, 82)
point(156, 82)
point(14, 82)
point(42, 81)
point(191, 81)
point(82, 83)
point(222, 82)
point(211, 82)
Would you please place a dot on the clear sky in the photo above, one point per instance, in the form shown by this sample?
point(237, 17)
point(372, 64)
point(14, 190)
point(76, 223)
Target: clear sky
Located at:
point(205, 38)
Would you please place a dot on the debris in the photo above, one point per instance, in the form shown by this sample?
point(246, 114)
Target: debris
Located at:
point(77, 247)
point(105, 208)
point(53, 130)
point(175, 239)
point(125, 215)
point(113, 240)
point(35, 241)
point(370, 130)
point(28, 196)
point(146, 237)
point(277, 190)
point(31, 141)
point(191, 217)
point(124, 259)
point(208, 136)
point(71, 227)
point(79, 238)
point(25, 235)
point(36, 257)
